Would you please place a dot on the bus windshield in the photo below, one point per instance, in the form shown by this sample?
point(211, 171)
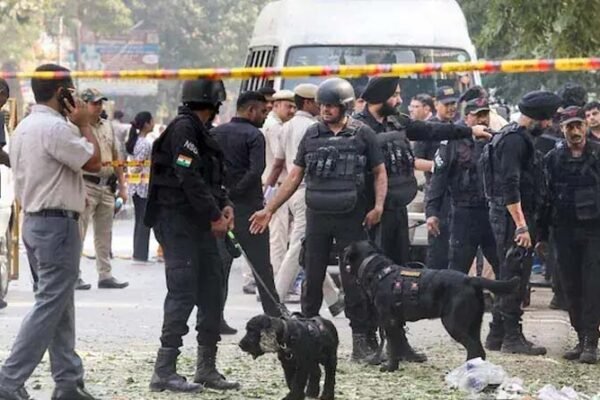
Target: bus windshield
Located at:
point(359, 55)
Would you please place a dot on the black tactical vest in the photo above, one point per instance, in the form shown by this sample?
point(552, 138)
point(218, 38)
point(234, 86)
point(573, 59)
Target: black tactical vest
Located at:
point(532, 187)
point(163, 181)
point(400, 167)
point(465, 180)
point(574, 185)
point(335, 171)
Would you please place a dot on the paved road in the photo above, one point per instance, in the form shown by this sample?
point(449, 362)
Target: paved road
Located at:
point(110, 321)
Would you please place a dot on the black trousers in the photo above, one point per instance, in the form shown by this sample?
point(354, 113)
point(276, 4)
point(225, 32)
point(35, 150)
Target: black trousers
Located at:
point(503, 226)
point(321, 231)
point(141, 233)
point(194, 276)
point(226, 261)
point(392, 235)
point(257, 250)
point(439, 246)
point(578, 252)
point(470, 230)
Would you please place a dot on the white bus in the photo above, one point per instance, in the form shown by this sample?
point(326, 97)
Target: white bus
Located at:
point(355, 32)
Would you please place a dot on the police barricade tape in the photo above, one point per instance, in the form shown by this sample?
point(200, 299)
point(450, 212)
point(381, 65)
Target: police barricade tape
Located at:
point(505, 66)
point(132, 163)
point(136, 179)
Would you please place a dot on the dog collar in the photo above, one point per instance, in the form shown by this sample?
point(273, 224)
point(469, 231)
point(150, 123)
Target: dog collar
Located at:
point(363, 265)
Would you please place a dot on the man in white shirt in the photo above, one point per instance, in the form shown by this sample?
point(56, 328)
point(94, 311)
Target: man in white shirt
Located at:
point(292, 133)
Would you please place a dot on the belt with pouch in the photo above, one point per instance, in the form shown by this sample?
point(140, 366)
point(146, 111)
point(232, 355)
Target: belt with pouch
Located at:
point(96, 180)
point(54, 213)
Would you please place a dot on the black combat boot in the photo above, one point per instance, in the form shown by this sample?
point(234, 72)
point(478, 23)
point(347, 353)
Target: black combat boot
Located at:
point(515, 342)
point(407, 353)
point(206, 370)
point(376, 356)
point(589, 355)
point(361, 351)
point(576, 351)
point(493, 341)
point(165, 375)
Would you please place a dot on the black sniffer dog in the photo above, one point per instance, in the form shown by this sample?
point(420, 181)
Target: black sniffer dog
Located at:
point(301, 345)
point(402, 294)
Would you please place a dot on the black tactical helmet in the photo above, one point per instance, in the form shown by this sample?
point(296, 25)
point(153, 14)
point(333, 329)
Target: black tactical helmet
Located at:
point(336, 91)
point(203, 91)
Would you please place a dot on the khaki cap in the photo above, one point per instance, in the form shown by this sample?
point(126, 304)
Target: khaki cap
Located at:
point(306, 90)
point(283, 95)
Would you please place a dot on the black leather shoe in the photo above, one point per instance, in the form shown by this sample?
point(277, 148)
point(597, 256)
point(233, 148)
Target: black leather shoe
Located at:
point(112, 283)
point(19, 394)
point(81, 285)
point(76, 393)
point(3, 304)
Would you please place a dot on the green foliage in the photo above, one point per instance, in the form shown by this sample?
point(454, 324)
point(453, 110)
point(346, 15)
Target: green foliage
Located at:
point(511, 29)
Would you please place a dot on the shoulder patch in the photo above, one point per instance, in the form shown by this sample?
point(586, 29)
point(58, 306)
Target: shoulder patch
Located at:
point(439, 160)
point(183, 161)
point(191, 147)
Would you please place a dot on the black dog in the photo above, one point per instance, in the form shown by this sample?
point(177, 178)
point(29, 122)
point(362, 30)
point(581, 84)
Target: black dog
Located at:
point(301, 345)
point(403, 294)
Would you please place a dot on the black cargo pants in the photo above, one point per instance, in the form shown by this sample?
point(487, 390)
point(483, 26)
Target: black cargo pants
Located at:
point(504, 231)
point(194, 275)
point(470, 229)
point(578, 253)
point(321, 230)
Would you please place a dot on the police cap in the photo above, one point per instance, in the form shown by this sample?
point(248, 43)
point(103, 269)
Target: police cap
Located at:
point(446, 95)
point(474, 106)
point(92, 96)
point(286, 95)
point(306, 90)
point(571, 114)
point(336, 91)
point(380, 89)
point(539, 105)
point(203, 91)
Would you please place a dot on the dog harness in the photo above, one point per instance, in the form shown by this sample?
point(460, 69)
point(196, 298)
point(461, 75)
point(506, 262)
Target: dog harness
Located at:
point(314, 327)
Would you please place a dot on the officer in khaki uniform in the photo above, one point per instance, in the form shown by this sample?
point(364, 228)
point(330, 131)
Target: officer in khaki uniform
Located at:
point(100, 201)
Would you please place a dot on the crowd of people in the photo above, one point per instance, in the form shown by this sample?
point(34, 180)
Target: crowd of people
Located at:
point(294, 178)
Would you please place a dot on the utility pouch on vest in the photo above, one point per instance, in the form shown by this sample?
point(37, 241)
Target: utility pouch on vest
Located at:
point(586, 203)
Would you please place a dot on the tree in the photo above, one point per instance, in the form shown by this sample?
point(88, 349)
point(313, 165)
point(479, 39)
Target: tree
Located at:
point(511, 29)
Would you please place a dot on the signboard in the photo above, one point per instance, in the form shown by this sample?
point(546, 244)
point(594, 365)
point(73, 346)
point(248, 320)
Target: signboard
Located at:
point(135, 49)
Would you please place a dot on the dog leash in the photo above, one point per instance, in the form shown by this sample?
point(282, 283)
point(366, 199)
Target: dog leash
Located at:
point(285, 313)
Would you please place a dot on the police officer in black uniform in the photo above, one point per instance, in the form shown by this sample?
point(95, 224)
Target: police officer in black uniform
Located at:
point(514, 184)
point(573, 213)
point(189, 209)
point(334, 155)
point(457, 172)
point(458, 175)
point(446, 99)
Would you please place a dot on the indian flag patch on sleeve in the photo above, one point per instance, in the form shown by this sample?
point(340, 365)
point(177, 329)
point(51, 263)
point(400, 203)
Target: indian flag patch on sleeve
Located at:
point(183, 161)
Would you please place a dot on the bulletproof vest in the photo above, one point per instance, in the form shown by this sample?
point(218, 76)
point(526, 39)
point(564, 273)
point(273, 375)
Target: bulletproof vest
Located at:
point(335, 170)
point(575, 185)
point(465, 180)
point(164, 182)
point(400, 167)
point(532, 187)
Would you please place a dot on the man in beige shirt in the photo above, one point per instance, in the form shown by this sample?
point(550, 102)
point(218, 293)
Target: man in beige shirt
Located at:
point(48, 156)
point(279, 232)
point(100, 201)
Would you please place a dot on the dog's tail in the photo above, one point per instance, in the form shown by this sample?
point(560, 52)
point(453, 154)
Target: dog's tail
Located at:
point(495, 286)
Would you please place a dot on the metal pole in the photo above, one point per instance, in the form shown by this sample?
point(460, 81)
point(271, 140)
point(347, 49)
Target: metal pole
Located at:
point(59, 41)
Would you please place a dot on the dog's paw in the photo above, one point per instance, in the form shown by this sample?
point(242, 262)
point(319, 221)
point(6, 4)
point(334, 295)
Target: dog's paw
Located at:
point(327, 396)
point(292, 396)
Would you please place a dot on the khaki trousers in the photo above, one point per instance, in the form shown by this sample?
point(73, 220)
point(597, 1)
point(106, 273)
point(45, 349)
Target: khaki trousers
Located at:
point(100, 207)
point(279, 236)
